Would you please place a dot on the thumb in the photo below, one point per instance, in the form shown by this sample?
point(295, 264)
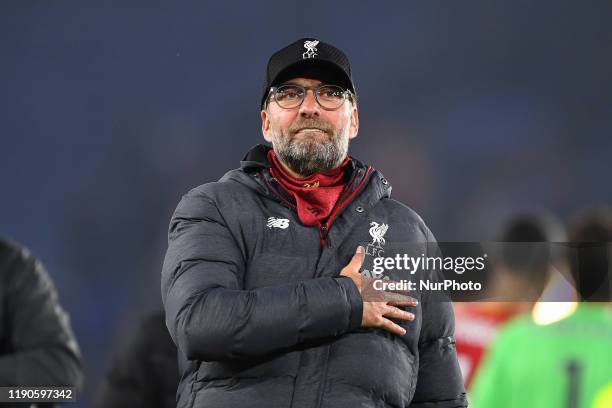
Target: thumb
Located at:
point(357, 259)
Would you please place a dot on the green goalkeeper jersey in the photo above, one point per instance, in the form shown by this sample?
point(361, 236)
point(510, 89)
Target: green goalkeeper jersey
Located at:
point(566, 364)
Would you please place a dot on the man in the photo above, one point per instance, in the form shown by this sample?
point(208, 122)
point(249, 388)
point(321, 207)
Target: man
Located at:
point(517, 282)
point(261, 282)
point(37, 345)
point(565, 363)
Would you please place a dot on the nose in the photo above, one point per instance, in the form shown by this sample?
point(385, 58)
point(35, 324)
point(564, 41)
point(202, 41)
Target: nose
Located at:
point(309, 106)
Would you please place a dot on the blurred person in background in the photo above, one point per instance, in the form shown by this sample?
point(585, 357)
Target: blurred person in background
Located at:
point(261, 282)
point(566, 363)
point(37, 345)
point(518, 280)
point(145, 373)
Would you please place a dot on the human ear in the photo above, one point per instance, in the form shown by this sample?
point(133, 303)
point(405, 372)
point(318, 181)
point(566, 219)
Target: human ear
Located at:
point(265, 126)
point(354, 122)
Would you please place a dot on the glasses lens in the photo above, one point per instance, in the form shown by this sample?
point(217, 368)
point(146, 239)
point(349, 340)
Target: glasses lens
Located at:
point(289, 96)
point(330, 96)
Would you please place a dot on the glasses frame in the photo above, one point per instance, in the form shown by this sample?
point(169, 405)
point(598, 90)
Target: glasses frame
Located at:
point(346, 94)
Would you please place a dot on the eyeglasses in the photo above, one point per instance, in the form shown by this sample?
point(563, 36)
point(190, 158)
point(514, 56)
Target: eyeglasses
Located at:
point(329, 97)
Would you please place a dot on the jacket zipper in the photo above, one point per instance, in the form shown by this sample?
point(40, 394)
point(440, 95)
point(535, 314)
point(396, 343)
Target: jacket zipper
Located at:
point(343, 201)
point(324, 231)
point(323, 234)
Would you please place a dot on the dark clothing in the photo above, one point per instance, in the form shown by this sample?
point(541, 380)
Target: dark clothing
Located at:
point(145, 374)
point(262, 318)
point(37, 345)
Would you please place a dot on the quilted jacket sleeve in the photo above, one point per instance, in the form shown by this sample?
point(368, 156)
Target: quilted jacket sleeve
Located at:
point(439, 382)
point(211, 317)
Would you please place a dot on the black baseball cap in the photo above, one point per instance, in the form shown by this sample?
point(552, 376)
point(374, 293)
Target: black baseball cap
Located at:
point(308, 58)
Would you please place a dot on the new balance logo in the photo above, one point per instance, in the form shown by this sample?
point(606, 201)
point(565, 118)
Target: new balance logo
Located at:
point(277, 222)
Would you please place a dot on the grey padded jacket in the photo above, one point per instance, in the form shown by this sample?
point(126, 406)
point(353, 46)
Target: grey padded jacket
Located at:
point(261, 317)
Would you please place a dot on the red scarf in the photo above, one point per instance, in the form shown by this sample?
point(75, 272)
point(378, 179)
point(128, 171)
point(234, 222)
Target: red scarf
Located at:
point(315, 195)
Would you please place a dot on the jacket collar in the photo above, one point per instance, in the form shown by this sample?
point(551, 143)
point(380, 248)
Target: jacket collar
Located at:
point(255, 161)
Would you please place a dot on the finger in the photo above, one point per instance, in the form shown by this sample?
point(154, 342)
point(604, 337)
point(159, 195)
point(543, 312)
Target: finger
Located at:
point(395, 313)
point(371, 295)
point(400, 299)
point(357, 260)
point(409, 302)
point(394, 328)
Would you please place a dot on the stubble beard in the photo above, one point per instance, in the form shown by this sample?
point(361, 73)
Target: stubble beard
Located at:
point(308, 155)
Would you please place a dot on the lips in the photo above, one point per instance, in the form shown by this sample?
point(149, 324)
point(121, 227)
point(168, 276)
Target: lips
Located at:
point(310, 130)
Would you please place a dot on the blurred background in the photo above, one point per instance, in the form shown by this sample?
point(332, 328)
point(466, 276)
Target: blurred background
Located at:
point(110, 111)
